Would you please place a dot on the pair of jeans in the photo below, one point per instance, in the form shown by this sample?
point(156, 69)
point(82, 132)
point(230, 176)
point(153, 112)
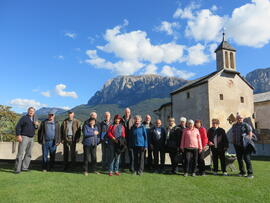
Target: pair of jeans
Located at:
point(218, 154)
point(159, 154)
point(201, 162)
point(48, 147)
point(191, 157)
point(90, 157)
point(139, 159)
point(114, 159)
point(24, 154)
point(243, 153)
point(69, 151)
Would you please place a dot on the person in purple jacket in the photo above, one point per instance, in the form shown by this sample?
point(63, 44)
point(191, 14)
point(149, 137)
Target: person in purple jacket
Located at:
point(90, 141)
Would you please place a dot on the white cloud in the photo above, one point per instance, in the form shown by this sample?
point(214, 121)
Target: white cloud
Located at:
point(214, 8)
point(212, 47)
point(249, 24)
point(26, 103)
point(61, 57)
point(186, 12)
point(71, 35)
point(205, 26)
point(59, 89)
point(173, 72)
point(134, 49)
point(46, 94)
point(151, 69)
point(196, 55)
point(168, 28)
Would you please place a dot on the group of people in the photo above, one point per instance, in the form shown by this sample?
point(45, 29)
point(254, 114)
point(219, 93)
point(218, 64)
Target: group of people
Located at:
point(136, 138)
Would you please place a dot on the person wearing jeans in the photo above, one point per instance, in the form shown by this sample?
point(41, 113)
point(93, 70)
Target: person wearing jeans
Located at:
point(139, 144)
point(191, 144)
point(90, 141)
point(116, 133)
point(218, 142)
point(241, 134)
point(49, 137)
point(25, 132)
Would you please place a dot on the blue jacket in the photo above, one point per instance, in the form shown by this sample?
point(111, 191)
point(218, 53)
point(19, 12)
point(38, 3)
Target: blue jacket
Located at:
point(139, 137)
point(89, 138)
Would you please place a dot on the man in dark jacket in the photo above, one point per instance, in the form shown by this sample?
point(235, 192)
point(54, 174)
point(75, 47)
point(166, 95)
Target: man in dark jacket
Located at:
point(128, 122)
point(157, 140)
point(148, 125)
point(104, 127)
point(49, 136)
point(25, 131)
point(70, 136)
point(218, 142)
point(242, 131)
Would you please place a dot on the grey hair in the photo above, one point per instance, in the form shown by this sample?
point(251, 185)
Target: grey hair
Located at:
point(191, 121)
point(137, 117)
point(184, 119)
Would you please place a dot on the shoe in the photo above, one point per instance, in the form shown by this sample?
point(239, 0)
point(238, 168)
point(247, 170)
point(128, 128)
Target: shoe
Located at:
point(85, 173)
point(44, 170)
point(134, 173)
point(17, 172)
point(156, 171)
point(96, 172)
point(140, 173)
point(193, 174)
point(215, 173)
point(203, 174)
point(117, 173)
point(225, 174)
point(110, 174)
point(26, 170)
point(241, 175)
point(185, 174)
point(250, 176)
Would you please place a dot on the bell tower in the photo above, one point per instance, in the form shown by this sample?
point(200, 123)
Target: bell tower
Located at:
point(225, 56)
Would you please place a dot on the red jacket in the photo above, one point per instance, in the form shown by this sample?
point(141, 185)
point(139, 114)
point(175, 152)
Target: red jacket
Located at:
point(204, 138)
point(111, 131)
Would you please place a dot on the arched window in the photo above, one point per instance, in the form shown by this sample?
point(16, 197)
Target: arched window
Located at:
point(226, 59)
point(232, 60)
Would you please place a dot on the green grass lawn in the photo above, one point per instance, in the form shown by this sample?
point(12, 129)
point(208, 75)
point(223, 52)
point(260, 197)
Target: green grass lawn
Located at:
point(36, 186)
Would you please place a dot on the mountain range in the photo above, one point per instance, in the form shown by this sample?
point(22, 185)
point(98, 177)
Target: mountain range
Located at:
point(143, 94)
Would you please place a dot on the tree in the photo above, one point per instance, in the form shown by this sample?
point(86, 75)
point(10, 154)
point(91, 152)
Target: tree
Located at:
point(8, 120)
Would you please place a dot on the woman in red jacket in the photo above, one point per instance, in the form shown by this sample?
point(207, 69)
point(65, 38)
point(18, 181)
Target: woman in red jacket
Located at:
point(204, 139)
point(116, 133)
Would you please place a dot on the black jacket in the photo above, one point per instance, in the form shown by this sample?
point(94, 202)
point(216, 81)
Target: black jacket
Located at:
point(128, 125)
point(158, 143)
point(104, 127)
point(222, 140)
point(173, 138)
point(42, 133)
point(25, 127)
point(148, 132)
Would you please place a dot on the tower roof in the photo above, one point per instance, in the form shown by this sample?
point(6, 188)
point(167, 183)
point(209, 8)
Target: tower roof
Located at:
point(225, 45)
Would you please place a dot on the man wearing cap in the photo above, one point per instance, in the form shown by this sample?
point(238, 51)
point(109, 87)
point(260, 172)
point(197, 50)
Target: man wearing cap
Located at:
point(70, 135)
point(49, 136)
point(240, 132)
point(25, 131)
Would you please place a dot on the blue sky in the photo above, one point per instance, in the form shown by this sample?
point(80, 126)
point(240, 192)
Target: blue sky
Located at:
point(59, 53)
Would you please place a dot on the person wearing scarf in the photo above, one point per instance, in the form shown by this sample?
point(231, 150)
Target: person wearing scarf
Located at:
point(115, 133)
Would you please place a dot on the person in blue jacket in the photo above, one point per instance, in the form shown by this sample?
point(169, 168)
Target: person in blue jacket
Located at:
point(139, 144)
point(91, 139)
